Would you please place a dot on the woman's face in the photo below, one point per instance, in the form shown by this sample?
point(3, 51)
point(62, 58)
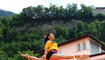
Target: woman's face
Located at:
point(51, 37)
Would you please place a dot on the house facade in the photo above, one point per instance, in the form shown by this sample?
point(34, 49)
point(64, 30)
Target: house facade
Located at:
point(86, 44)
point(97, 10)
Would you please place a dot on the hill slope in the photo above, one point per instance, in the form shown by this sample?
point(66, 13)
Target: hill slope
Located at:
point(5, 13)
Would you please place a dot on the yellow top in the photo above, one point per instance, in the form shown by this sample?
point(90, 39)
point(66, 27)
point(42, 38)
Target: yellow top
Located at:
point(51, 45)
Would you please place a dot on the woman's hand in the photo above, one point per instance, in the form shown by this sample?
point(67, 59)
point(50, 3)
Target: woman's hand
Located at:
point(26, 56)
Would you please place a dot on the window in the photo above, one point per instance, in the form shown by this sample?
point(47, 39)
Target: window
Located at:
point(84, 46)
point(79, 47)
point(94, 47)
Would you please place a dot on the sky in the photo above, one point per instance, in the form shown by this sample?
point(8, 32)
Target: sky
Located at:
point(16, 6)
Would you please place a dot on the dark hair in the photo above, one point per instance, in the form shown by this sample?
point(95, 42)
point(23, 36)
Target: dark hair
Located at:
point(46, 39)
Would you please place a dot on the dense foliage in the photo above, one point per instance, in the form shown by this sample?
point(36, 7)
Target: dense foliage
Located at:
point(14, 41)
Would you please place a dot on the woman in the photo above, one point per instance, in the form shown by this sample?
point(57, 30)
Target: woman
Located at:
point(51, 50)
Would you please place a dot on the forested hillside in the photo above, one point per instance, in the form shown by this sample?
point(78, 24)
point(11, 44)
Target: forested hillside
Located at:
point(5, 13)
point(23, 33)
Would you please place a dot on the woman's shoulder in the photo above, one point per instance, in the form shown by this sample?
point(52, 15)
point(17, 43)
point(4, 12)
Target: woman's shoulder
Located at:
point(50, 42)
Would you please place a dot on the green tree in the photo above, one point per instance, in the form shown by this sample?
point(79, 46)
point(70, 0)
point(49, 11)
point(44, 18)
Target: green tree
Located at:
point(33, 13)
point(79, 29)
point(3, 55)
point(61, 13)
point(99, 28)
point(60, 40)
point(74, 10)
point(11, 48)
point(19, 57)
point(102, 31)
point(100, 16)
point(85, 13)
point(92, 29)
point(1, 35)
point(61, 31)
point(71, 34)
point(68, 12)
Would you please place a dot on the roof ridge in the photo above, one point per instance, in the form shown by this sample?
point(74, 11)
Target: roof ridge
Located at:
point(78, 38)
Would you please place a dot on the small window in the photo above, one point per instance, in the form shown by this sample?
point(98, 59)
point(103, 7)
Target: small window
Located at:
point(84, 46)
point(79, 47)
